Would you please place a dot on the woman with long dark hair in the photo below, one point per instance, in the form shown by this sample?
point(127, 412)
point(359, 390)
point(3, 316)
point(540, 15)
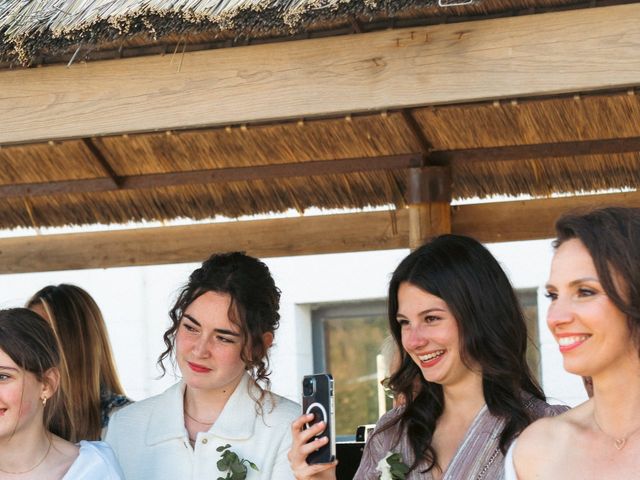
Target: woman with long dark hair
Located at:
point(594, 315)
point(468, 390)
point(221, 417)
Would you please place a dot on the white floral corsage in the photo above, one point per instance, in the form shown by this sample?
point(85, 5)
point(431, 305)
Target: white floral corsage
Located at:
point(391, 467)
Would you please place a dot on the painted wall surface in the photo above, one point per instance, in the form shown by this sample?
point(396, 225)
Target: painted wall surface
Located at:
point(135, 302)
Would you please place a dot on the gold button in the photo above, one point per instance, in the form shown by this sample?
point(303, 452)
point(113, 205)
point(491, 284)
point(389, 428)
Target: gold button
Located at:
point(204, 440)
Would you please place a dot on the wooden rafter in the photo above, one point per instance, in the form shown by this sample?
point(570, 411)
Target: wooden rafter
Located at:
point(536, 151)
point(529, 55)
point(489, 222)
point(325, 167)
point(99, 158)
point(193, 243)
point(197, 177)
point(417, 132)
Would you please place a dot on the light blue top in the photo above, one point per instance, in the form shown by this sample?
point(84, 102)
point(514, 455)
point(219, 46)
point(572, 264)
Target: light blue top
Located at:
point(96, 461)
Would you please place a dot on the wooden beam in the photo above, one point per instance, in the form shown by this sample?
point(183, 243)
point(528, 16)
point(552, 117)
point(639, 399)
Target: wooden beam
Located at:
point(417, 132)
point(321, 167)
point(536, 151)
point(577, 50)
point(488, 222)
point(215, 175)
point(429, 198)
point(58, 187)
point(528, 219)
point(100, 159)
point(194, 243)
point(427, 220)
point(275, 171)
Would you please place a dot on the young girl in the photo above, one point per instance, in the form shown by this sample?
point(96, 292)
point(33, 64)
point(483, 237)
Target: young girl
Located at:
point(218, 417)
point(33, 421)
point(89, 378)
point(463, 376)
point(594, 315)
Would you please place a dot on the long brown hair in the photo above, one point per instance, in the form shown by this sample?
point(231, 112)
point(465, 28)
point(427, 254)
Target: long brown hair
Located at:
point(31, 343)
point(87, 364)
point(493, 334)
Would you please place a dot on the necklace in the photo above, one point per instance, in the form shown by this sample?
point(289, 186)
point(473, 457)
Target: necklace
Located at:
point(46, 454)
point(195, 419)
point(184, 403)
point(619, 443)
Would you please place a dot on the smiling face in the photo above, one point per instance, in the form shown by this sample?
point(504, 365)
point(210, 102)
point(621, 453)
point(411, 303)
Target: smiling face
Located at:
point(591, 332)
point(20, 398)
point(208, 344)
point(430, 336)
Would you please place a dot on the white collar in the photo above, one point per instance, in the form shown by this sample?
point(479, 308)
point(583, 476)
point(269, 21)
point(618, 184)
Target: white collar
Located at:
point(236, 421)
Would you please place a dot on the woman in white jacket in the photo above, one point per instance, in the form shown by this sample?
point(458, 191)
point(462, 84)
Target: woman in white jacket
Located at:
point(221, 417)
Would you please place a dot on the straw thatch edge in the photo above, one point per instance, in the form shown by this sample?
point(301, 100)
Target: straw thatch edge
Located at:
point(150, 26)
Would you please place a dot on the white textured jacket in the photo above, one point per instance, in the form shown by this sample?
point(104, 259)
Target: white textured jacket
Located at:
point(151, 442)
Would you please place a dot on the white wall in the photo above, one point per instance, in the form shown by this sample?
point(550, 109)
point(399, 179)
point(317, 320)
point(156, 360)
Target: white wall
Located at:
point(527, 264)
point(135, 302)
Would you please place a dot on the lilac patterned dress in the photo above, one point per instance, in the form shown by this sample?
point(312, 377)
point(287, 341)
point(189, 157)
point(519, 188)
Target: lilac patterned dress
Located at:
point(478, 457)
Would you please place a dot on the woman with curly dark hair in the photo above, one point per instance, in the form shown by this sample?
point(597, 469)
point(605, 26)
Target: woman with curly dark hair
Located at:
point(468, 390)
point(222, 326)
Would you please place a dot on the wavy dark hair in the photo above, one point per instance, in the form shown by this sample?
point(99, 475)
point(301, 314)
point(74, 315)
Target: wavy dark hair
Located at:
point(612, 237)
point(30, 342)
point(493, 335)
point(255, 301)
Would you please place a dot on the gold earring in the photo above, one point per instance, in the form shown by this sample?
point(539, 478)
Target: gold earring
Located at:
point(44, 401)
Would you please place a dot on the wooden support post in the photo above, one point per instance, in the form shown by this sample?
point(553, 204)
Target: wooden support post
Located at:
point(429, 203)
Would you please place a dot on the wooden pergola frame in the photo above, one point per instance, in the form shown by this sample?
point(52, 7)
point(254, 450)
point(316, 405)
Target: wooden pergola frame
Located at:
point(527, 56)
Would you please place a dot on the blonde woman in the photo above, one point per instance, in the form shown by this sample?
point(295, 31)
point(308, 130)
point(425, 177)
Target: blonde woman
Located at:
point(89, 378)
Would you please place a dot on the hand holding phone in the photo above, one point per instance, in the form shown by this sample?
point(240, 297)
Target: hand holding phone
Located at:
point(318, 400)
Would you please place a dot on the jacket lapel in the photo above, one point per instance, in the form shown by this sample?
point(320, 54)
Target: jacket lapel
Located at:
point(166, 421)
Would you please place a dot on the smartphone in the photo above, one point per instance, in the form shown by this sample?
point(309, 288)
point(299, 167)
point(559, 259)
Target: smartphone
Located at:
point(318, 399)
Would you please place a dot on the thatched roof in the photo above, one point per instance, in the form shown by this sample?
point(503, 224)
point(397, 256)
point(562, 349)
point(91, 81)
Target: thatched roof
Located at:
point(538, 146)
point(45, 31)
point(454, 134)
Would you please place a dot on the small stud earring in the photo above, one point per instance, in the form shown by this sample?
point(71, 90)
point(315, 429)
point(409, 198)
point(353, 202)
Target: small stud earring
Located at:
point(44, 401)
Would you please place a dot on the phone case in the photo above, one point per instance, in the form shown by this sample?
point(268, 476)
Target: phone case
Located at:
point(319, 401)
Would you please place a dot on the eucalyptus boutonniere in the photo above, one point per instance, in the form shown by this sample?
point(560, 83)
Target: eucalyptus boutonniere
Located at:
point(235, 466)
point(391, 467)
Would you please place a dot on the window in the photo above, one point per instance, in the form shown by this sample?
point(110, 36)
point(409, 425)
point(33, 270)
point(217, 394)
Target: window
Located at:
point(529, 300)
point(347, 339)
